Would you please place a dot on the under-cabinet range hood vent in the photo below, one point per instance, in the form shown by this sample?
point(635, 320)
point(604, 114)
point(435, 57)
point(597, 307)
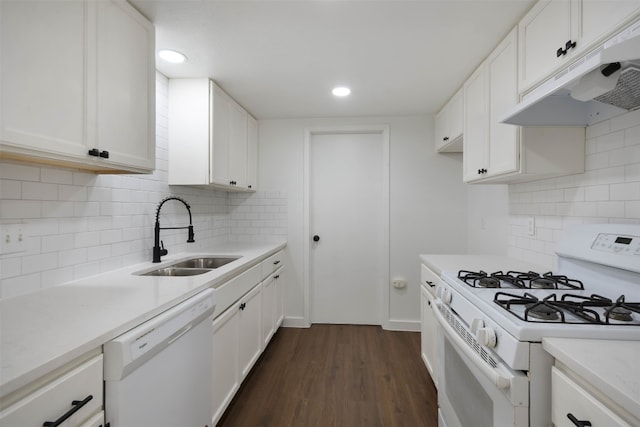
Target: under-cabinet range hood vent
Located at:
point(602, 84)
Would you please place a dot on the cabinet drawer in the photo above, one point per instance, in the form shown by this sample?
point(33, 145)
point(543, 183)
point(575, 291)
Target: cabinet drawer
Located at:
point(568, 397)
point(53, 400)
point(229, 292)
point(428, 279)
point(272, 263)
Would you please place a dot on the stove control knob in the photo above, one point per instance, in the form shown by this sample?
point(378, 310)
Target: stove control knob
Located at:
point(446, 296)
point(487, 337)
point(476, 324)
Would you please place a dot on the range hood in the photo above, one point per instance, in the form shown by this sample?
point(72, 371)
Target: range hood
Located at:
point(600, 85)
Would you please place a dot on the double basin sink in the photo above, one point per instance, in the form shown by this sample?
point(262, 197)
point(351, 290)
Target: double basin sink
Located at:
point(191, 266)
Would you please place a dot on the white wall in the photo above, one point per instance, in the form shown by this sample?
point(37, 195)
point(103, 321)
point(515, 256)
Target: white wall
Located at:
point(428, 200)
point(608, 192)
point(79, 224)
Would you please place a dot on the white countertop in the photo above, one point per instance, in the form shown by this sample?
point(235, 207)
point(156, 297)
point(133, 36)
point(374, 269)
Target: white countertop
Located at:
point(42, 331)
point(609, 366)
point(439, 263)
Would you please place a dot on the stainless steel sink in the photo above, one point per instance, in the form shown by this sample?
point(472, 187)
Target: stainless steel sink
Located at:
point(191, 266)
point(173, 271)
point(204, 262)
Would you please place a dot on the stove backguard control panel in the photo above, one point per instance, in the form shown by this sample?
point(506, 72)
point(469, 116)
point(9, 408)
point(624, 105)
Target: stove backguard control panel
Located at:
point(618, 244)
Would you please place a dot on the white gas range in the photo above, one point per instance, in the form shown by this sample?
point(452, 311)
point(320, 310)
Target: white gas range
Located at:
point(493, 371)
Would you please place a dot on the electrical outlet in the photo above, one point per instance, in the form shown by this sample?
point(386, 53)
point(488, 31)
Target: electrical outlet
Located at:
point(531, 226)
point(12, 239)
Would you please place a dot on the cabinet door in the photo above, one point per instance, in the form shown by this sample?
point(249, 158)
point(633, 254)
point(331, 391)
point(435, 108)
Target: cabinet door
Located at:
point(503, 95)
point(220, 173)
point(600, 18)
point(250, 330)
point(440, 128)
point(34, 35)
point(568, 397)
point(226, 369)
point(54, 400)
point(279, 297)
point(428, 338)
point(125, 111)
point(237, 144)
point(252, 153)
point(268, 310)
point(475, 125)
point(542, 31)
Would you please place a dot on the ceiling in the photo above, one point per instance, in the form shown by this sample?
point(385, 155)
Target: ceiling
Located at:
point(280, 59)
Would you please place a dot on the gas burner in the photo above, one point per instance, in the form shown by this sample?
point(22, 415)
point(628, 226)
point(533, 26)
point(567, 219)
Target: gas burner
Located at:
point(621, 314)
point(478, 279)
point(542, 283)
point(488, 282)
point(535, 280)
point(542, 311)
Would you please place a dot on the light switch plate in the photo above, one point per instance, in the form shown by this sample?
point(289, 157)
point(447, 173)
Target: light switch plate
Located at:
point(531, 226)
point(12, 239)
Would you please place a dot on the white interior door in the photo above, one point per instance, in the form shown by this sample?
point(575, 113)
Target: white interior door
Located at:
point(347, 203)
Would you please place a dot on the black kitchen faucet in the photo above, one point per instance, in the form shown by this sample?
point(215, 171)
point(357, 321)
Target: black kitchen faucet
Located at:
point(158, 245)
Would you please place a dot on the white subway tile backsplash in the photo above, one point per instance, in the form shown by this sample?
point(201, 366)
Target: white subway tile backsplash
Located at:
point(608, 192)
point(79, 224)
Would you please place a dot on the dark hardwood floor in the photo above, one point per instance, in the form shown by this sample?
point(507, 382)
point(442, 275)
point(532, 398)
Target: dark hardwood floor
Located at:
point(337, 375)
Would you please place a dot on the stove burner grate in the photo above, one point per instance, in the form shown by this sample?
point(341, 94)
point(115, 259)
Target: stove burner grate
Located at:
point(552, 310)
point(478, 279)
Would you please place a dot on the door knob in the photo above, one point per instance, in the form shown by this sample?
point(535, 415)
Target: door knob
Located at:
point(316, 238)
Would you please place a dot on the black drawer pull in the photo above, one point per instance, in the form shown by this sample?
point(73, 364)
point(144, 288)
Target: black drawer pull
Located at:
point(276, 277)
point(430, 283)
point(77, 404)
point(577, 422)
point(276, 262)
point(94, 152)
point(104, 154)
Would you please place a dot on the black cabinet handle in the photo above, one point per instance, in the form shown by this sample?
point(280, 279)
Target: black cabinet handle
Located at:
point(430, 283)
point(104, 154)
point(248, 186)
point(77, 404)
point(94, 152)
point(316, 238)
point(243, 306)
point(446, 138)
point(569, 45)
point(276, 262)
point(276, 277)
point(577, 422)
point(561, 52)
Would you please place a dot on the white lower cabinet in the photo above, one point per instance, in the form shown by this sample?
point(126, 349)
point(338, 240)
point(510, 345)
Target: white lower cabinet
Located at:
point(71, 396)
point(574, 405)
point(428, 330)
point(226, 376)
point(243, 330)
point(272, 304)
point(250, 338)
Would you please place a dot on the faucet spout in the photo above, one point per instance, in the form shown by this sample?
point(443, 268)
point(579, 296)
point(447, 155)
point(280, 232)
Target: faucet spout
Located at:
point(158, 246)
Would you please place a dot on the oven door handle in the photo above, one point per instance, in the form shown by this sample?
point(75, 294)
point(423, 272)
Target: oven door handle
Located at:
point(501, 381)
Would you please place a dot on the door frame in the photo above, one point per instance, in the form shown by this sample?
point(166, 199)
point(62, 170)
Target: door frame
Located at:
point(383, 131)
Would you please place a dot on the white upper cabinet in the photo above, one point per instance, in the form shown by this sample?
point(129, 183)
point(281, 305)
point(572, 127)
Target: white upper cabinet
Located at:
point(212, 139)
point(555, 31)
point(448, 125)
point(496, 152)
point(78, 90)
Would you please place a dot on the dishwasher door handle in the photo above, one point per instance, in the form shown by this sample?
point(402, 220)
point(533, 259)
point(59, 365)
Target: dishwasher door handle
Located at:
point(181, 333)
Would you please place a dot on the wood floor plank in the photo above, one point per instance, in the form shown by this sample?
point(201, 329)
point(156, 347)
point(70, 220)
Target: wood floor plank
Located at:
point(337, 375)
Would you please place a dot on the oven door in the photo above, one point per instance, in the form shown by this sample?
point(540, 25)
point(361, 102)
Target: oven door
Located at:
point(474, 387)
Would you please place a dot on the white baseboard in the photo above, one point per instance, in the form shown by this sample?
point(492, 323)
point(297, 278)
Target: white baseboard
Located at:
point(295, 322)
point(403, 325)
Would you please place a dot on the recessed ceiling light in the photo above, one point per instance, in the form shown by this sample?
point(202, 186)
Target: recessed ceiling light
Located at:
point(172, 56)
point(341, 91)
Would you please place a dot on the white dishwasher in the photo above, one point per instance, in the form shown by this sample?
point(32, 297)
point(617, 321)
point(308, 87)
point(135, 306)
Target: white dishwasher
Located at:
point(159, 374)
